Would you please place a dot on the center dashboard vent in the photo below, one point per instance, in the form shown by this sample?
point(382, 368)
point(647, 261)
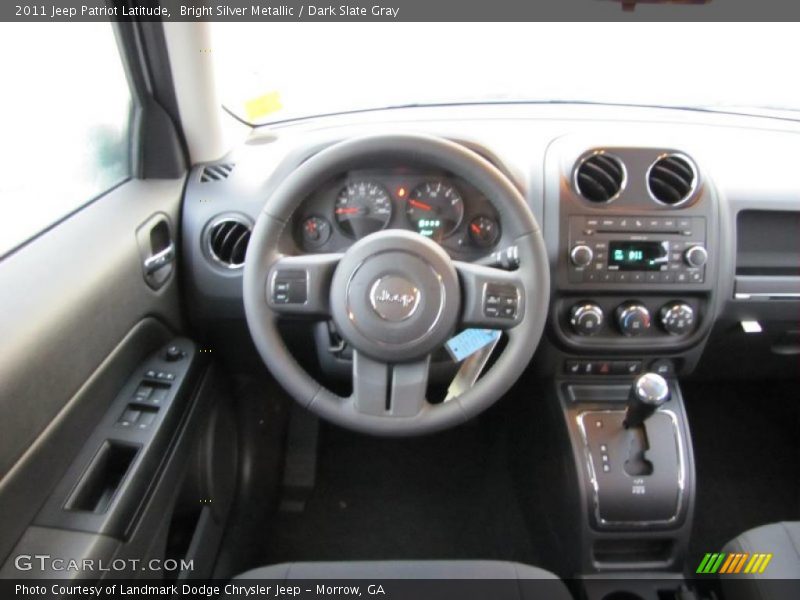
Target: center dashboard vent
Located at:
point(600, 177)
point(217, 172)
point(672, 179)
point(227, 241)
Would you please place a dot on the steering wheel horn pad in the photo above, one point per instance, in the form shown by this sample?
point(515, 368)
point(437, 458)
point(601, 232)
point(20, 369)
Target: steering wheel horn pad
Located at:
point(395, 296)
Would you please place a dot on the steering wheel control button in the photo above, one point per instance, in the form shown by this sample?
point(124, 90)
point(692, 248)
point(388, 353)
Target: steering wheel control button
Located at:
point(633, 319)
point(500, 301)
point(394, 298)
point(677, 318)
point(586, 319)
point(289, 287)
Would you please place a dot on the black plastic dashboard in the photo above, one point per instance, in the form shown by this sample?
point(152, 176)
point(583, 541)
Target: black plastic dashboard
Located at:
point(677, 248)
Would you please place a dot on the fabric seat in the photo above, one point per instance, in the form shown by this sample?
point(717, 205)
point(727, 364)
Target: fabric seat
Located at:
point(781, 578)
point(524, 581)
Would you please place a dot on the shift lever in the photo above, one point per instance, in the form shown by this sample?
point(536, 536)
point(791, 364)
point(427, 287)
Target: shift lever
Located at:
point(649, 391)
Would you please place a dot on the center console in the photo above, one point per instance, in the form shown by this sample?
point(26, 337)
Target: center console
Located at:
point(632, 230)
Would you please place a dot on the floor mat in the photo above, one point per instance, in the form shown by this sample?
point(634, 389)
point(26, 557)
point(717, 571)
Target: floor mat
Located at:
point(445, 496)
point(747, 451)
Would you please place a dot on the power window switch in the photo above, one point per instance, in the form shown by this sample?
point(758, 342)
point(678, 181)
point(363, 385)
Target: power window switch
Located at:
point(143, 392)
point(159, 395)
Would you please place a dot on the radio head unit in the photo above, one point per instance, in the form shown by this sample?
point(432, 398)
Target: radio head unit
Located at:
point(630, 249)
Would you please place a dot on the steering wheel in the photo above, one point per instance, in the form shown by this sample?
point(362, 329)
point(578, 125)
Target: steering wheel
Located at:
point(395, 296)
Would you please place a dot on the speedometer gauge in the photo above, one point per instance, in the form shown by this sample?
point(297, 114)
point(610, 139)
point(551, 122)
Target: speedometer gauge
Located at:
point(435, 209)
point(362, 207)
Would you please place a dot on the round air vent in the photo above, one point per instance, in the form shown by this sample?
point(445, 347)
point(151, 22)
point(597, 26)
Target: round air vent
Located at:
point(600, 177)
point(227, 241)
point(672, 179)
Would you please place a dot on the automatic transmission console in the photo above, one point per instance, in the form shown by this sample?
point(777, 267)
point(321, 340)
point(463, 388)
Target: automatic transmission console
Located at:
point(634, 457)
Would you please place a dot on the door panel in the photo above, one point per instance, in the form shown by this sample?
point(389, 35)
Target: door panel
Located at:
point(77, 316)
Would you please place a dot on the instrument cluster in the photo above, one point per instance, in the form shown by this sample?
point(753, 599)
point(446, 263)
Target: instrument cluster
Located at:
point(436, 205)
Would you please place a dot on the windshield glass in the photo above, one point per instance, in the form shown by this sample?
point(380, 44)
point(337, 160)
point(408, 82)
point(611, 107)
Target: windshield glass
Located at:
point(274, 72)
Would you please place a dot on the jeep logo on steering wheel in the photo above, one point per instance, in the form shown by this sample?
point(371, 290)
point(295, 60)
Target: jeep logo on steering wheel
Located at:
point(394, 298)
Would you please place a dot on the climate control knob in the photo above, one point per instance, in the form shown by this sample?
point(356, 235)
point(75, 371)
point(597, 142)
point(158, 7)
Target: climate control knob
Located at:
point(633, 319)
point(677, 318)
point(696, 256)
point(581, 255)
point(586, 319)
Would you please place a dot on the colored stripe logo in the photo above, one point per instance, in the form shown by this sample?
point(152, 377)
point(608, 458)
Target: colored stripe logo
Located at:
point(734, 562)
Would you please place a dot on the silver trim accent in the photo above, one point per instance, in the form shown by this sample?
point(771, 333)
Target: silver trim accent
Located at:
point(215, 222)
point(586, 156)
point(161, 259)
point(407, 299)
point(695, 180)
point(593, 477)
point(749, 295)
point(698, 248)
point(575, 248)
point(658, 392)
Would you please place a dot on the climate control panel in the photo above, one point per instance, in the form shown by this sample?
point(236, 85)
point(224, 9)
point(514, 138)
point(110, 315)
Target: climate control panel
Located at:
point(633, 318)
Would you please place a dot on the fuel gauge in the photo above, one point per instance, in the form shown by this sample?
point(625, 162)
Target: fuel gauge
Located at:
point(315, 231)
point(484, 231)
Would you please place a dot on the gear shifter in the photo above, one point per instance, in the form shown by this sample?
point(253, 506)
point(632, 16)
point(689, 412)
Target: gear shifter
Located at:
point(649, 391)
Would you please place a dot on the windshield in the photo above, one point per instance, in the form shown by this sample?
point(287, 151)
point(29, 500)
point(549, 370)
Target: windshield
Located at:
point(273, 72)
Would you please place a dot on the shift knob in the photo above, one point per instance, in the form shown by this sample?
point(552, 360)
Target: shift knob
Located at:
point(649, 391)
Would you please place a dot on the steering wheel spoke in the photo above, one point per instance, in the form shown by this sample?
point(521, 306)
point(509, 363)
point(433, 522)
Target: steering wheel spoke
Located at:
point(389, 390)
point(300, 285)
point(491, 298)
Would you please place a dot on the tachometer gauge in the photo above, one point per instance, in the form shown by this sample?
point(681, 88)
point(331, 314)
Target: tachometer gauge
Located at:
point(362, 207)
point(484, 231)
point(435, 209)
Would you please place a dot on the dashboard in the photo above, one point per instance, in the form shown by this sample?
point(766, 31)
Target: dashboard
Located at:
point(432, 203)
point(666, 230)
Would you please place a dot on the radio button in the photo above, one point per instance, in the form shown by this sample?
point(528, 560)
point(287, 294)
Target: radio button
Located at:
point(653, 277)
point(667, 277)
point(696, 256)
point(581, 255)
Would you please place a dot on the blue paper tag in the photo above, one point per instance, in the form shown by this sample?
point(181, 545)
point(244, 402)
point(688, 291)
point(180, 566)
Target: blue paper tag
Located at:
point(470, 341)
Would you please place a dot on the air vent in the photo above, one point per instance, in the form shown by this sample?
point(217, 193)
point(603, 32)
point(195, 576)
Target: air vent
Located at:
point(227, 241)
point(600, 177)
point(216, 172)
point(672, 179)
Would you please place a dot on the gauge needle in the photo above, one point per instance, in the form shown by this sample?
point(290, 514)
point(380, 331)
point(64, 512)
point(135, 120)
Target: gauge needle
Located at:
point(347, 211)
point(476, 230)
point(420, 205)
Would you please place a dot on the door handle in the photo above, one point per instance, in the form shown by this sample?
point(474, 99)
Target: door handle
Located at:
point(160, 259)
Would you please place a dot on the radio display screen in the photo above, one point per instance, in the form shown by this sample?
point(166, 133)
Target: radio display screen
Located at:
point(638, 256)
